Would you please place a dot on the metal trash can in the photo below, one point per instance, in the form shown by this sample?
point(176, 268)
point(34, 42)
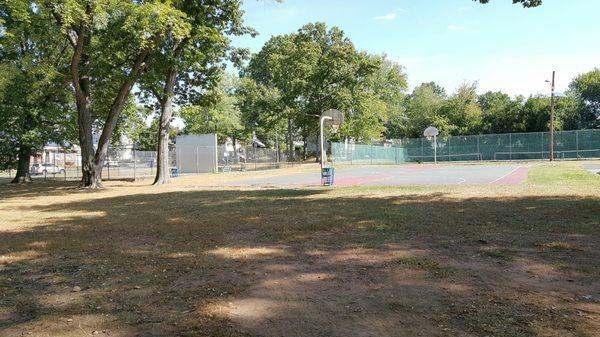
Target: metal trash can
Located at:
point(174, 172)
point(327, 174)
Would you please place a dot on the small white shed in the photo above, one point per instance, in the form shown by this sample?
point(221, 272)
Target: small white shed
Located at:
point(196, 153)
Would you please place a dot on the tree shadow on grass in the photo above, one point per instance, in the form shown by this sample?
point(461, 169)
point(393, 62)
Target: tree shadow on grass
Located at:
point(304, 263)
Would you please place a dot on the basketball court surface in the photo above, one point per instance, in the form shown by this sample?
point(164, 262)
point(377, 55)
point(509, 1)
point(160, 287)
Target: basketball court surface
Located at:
point(594, 168)
point(388, 175)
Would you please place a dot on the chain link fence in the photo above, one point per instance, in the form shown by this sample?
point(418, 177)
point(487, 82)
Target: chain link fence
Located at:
point(579, 144)
point(127, 163)
point(251, 159)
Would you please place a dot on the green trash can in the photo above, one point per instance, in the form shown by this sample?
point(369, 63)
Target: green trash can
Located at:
point(327, 174)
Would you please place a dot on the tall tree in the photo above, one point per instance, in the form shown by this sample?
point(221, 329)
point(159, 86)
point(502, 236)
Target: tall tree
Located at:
point(34, 97)
point(111, 42)
point(586, 88)
point(314, 69)
point(186, 65)
point(222, 117)
point(423, 109)
point(501, 114)
point(536, 113)
point(462, 111)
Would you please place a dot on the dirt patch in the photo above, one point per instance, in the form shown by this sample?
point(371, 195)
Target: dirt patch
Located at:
point(143, 261)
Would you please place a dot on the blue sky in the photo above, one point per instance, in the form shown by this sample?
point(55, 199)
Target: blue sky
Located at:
point(500, 45)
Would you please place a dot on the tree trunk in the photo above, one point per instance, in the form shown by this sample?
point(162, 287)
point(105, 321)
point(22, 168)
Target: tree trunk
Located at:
point(23, 165)
point(113, 116)
point(290, 141)
point(81, 82)
point(166, 104)
point(162, 163)
point(304, 149)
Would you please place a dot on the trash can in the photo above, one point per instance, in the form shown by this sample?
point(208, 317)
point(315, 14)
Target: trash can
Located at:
point(174, 172)
point(327, 174)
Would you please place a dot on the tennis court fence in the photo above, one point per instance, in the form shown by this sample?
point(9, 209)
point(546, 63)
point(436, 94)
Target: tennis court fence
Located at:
point(579, 144)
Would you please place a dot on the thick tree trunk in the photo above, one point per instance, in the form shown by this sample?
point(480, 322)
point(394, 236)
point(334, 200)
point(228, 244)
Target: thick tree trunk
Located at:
point(81, 83)
point(23, 166)
point(92, 159)
point(162, 163)
point(166, 104)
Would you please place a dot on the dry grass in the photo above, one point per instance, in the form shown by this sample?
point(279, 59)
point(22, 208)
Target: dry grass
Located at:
point(133, 260)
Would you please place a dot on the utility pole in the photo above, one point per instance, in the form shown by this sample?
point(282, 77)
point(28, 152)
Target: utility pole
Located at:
point(552, 118)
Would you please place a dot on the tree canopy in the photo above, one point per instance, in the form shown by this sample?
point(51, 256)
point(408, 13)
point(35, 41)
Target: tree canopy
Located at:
point(525, 3)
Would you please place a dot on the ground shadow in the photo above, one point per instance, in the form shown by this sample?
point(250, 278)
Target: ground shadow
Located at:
point(303, 263)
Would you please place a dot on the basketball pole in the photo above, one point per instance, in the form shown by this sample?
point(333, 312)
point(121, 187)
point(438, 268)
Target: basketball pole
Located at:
point(434, 149)
point(552, 118)
point(322, 139)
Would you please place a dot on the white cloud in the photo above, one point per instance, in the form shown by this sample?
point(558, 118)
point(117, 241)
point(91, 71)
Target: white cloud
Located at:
point(390, 16)
point(456, 28)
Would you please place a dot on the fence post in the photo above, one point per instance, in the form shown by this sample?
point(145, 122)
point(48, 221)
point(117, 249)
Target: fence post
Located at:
point(577, 144)
point(542, 133)
point(510, 146)
point(449, 149)
point(371, 155)
point(478, 150)
point(134, 163)
point(65, 163)
point(197, 165)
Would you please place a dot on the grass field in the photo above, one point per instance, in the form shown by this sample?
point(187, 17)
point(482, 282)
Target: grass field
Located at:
point(179, 260)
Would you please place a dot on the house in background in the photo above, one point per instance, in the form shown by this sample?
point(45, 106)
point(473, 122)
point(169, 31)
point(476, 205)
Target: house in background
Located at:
point(52, 153)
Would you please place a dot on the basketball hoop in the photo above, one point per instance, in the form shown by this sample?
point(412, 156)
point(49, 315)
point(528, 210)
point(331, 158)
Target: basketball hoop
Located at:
point(432, 132)
point(333, 118)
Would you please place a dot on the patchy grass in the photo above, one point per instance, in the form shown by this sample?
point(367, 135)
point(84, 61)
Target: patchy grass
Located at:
point(497, 254)
point(404, 261)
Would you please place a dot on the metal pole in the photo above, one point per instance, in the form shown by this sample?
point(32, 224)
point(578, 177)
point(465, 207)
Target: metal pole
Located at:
point(54, 161)
point(435, 149)
point(479, 151)
point(510, 146)
point(449, 149)
point(277, 147)
point(134, 164)
point(542, 145)
point(322, 139)
point(552, 118)
point(577, 144)
point(65, 163)
point(197, 164)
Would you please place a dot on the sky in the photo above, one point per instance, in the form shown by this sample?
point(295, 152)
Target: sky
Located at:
point(500, 45)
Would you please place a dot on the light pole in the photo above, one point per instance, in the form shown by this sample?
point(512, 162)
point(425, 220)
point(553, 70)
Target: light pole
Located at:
point(552, 85)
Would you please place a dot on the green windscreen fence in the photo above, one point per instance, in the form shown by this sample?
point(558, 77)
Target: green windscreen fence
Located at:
point(509, 146)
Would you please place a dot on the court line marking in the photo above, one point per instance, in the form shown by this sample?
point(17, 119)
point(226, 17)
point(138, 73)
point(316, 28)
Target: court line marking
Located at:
point(506, 175)
point(462, 180)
